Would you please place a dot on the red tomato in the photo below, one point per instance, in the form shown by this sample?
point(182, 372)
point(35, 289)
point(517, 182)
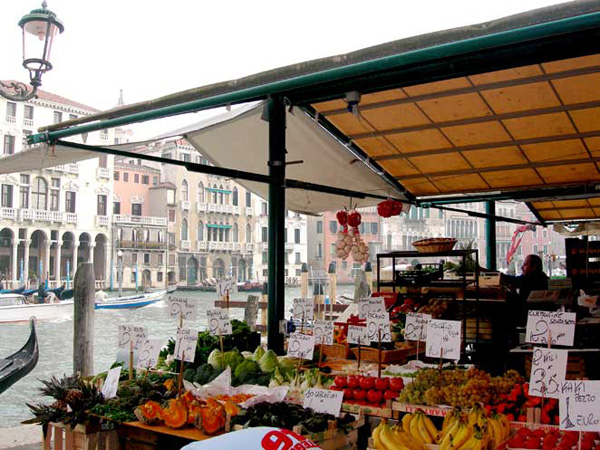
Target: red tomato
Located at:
point(390, 395)
point(340, 381)
point(532, 443)
point(524, 431)
point(348, 394)
point(366, 383)
point(352, 382)
point(396, 384)
point(382, 384)
point(359, 394)
point(375, 396)
point(336, 388)
point(516, 442)
point(539, 433)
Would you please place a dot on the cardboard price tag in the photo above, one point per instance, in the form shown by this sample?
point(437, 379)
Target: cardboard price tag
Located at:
point(226, 287)
point(358, 335)
point(443, 339)
point(301, 346)
point(377, 321)
point(131, 337)
point(111, 384)
point(548, 370)
point(185, 344)
point(416, 326)
point(323, 331)
point(218, 321)
point(303, 309)
point(370, 305)
point(579, 405)
point(324, 401)
point(557, 327)
point(182, 307)
point(148, 356)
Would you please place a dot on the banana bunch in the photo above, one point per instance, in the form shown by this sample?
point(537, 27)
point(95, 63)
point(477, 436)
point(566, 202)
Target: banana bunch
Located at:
point(461, 431)
point(420, 427)
point(386, 437)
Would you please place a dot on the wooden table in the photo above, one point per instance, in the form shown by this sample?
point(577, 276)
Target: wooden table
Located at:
point(137, 436)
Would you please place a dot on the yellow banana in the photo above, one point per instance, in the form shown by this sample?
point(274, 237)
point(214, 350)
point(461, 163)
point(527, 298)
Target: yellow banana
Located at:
point(423, 430)
point(505, 425)
point(446, 441)
point(406, 439)
point(451, 429)
point(388, 441)
point(497, 435)
point(406, 422)
point(448, 420)
point(414, 428)
point(463, 434)
point(430, 428)
point(377, 437)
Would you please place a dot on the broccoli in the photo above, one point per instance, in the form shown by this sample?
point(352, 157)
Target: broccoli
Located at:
point(189, 374)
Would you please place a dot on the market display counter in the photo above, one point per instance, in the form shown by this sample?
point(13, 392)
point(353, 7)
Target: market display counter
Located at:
point(137, 436)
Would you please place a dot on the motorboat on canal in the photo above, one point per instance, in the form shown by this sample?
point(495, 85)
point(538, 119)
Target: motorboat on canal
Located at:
point(131, 301)
point(14, 308)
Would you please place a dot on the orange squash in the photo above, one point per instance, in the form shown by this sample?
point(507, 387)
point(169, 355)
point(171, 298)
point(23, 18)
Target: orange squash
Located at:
point(175, 415)
point(149, 413)
point(211, 419)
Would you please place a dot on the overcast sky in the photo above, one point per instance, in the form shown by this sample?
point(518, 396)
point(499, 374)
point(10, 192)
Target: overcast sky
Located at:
point(153, 48)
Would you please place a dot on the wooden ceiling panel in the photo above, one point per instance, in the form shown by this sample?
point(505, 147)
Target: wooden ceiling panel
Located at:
point(512, 178)
point(593, 145)
point(551, 215)
point(581, 203)
point(398, 167)
point(420, 186)
point(583, 213)
point(330, 105)
point(571, 64)
point(586, 119)
point(555, 151)
point(495, 157)
point(477, 133)
point(437, 86)
point(415, 141)
point(376, 146)
point(578, 89)
point(439, 163)
point(543, 205)
point(455, 107)
point(524, 97)
point(460, 183)
point(350, 124)
point(383, 96)
point(595, 201)
point(506, 75)
point(396, 116)
point(554, 124)
point(570, 173)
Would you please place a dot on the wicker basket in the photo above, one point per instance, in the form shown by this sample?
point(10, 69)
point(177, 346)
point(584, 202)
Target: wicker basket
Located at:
point(434, 245)
point(335, 351)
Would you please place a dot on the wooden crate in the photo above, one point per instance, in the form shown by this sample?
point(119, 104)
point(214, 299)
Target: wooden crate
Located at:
point(63, 437)
point(575, 367)
point(370, 354)
point(137, 436)
point(485, 328)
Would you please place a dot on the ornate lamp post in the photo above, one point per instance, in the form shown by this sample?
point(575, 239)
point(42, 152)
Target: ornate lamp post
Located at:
point(39, 27)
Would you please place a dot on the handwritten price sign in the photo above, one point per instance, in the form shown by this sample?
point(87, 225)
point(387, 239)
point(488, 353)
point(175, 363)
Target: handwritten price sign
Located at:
point(378, 324)
point(226, 287)
point(182, 308)
point(301, 346)
point(111, 384)
point(148, 356)
point(358, 335)
point(370, 305)
point(185, 344)
point(303, 309)
point(443, 339)
point(558, 328)
point(548, 369)
point(323, 332)
point(416, 326)
point(218, 322)
point(131, 337)
point(579, 405)
point(324, 401)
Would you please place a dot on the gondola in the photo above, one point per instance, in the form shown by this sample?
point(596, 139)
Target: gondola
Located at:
point(19, 364)
point(13, 291)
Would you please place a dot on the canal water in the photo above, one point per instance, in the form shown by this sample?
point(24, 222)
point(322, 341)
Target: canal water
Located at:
point(56, 343)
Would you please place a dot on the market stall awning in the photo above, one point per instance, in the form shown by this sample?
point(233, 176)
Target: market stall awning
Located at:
point(567, 210)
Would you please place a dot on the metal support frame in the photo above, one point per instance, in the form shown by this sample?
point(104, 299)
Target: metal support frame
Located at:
point(276, 285)
point(490, 235)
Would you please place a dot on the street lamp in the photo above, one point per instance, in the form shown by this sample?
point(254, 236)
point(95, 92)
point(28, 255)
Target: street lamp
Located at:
point(120, 274)
point(39, 28)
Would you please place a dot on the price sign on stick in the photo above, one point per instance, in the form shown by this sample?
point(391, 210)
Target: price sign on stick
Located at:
point(131, 337)
point(301, 346)
point(148, 356)
point(377, 321)
point(323, 332)
point(218, 321)
point(358, 335)
point(324, 401)
point(111, 384)
point(370, 305)
point(579, 405)
point(251, 311)
point(182, 308)
point(556, 328)
point(303, 309)
point(416, 326)
point(548, 369)
point(185, 344)
point(226, 287)
point(443, 339)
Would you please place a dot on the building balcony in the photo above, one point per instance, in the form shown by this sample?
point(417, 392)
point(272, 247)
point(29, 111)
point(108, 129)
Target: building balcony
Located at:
point(201, 246)
point(212, 207)
point(28, 122)
point(265, 246)
point(11, 119)
point(235, 210)
point(249, 247)
point(103, 173)
point(71, 218)
point(184, 245)
point(213, 246)
point(185, 205)
point(145, 245)
point(39, 215)
point(249, 211)
point(72, 169)
point(201, 207)
point(289, 246)
point(140, 220)
point(8, 213)
point(236, 247)
point(102, 221)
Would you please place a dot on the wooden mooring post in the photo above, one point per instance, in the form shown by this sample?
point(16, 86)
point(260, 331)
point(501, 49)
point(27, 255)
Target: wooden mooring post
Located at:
point(83, 320)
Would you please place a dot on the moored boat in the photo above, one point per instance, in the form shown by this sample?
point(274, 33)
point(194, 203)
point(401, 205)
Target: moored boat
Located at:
point(20, 363)
point(14, 308)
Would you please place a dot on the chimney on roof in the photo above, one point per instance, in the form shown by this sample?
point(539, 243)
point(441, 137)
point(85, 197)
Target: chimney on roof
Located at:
point(120, 102)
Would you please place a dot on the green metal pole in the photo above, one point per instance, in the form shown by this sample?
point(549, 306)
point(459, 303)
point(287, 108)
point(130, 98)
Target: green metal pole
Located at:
point(490, 235)
point(276, 271)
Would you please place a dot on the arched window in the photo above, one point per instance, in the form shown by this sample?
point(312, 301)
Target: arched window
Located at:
point(184, 230)
point(200, 236)
point(200, 193)
point(221, 195)
point(236, 238)
point(248, 233)
point(221, 233)
point(39, 194)
point(235, 197)
point(215, 193)
point(185, 195)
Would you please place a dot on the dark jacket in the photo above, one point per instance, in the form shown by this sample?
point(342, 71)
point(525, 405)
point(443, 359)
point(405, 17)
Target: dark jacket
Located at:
point(524, 284)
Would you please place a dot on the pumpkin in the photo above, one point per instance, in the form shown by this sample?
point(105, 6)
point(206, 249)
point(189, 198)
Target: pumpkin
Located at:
point(175, 415)
point(148, 413)
point(211, 419)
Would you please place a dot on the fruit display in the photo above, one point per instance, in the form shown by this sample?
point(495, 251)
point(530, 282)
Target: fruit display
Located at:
point(436, 307)
point(540, 439)
point(368, 390)
point(517, 400)
point(458, 387)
